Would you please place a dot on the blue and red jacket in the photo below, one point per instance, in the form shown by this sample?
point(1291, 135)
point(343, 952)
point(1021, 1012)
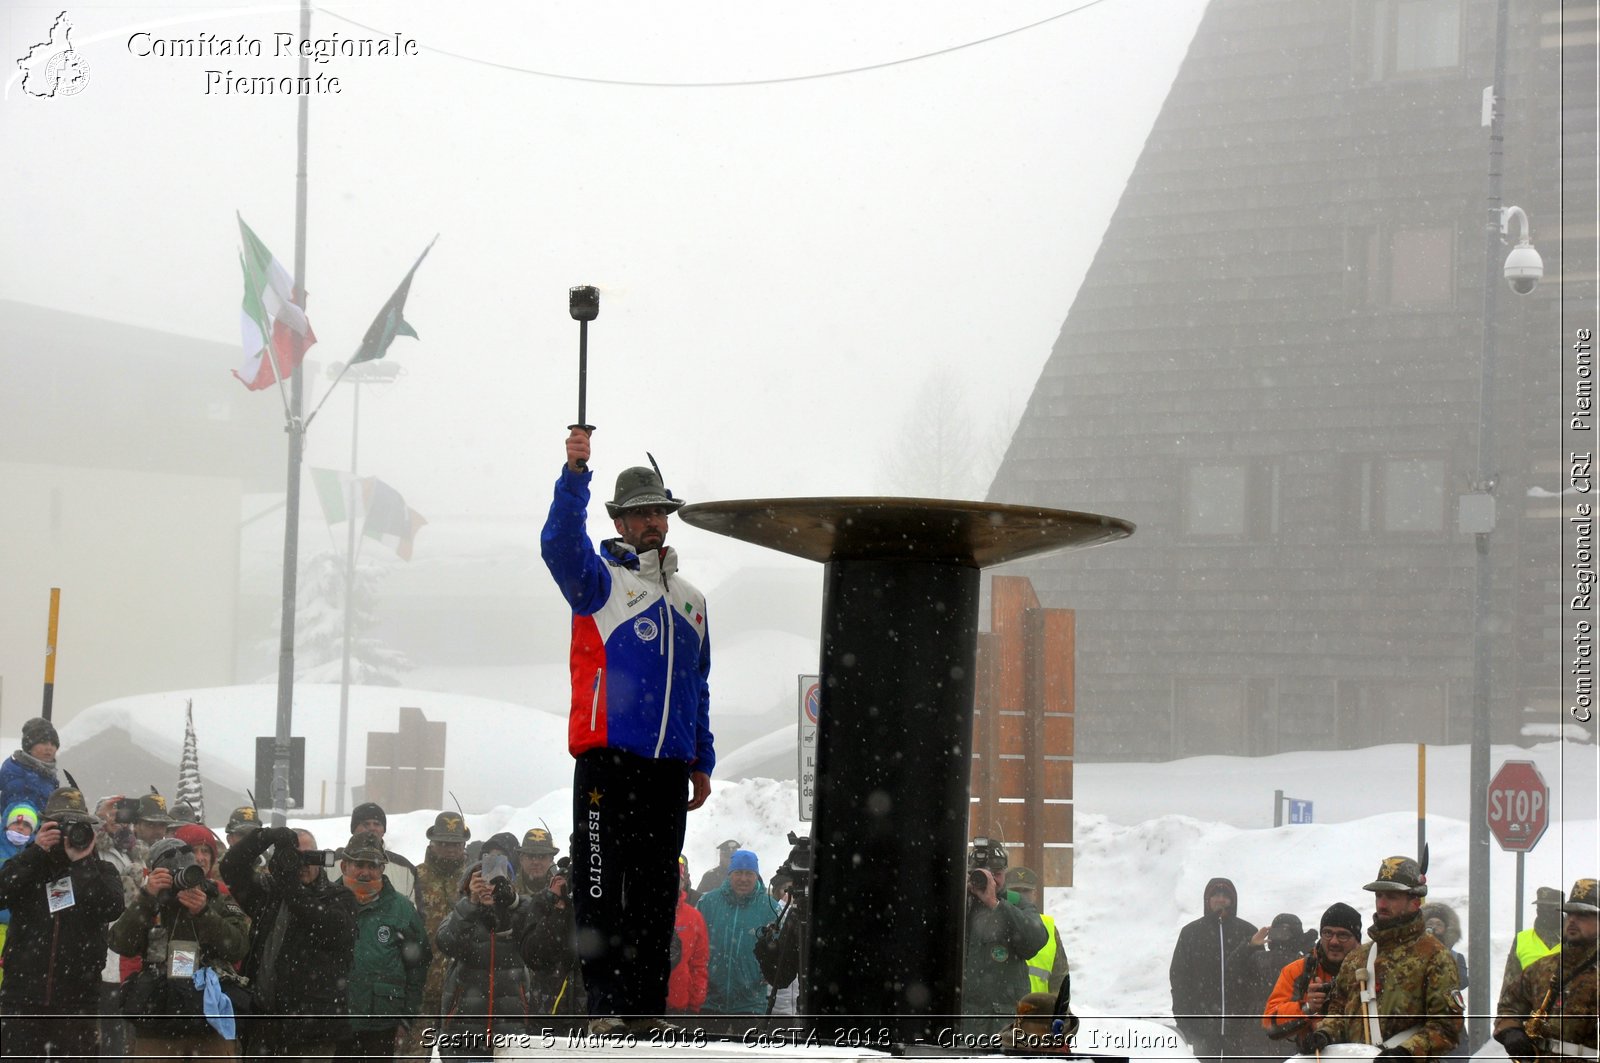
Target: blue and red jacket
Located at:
point(641, 653)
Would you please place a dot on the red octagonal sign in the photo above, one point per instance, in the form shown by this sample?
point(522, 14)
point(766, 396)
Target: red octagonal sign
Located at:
point(1519, 806)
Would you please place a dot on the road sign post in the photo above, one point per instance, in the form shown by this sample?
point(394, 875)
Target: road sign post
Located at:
point(1518, 806)
point(810, 706)
point(1518, 813)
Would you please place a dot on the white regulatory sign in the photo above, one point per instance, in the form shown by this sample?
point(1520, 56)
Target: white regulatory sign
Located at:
point(810, 707)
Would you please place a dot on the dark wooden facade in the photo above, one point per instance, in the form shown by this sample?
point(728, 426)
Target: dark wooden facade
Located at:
point(1273, 369)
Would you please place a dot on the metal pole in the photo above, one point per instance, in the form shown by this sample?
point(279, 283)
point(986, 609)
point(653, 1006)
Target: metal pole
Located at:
point(50, 651)
point(349, 611)
point(1478, 1012)
point(1277, 808)
point(1422, 798)
point(1520, 855)
point(296, 430)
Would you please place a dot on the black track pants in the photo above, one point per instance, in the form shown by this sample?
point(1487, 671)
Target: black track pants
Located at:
point(627, 821)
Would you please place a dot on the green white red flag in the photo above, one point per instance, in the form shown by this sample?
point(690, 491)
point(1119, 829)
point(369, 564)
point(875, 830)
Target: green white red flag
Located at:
point(382, 511)
point(268, 318)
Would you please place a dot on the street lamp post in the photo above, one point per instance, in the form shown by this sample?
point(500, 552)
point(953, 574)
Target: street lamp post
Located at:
point(363, 373)
point(1522, 270)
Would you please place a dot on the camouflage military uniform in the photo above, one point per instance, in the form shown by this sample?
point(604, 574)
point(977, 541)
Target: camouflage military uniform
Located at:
point(1570, 1011)
point(439, 883)
point(1417, 986)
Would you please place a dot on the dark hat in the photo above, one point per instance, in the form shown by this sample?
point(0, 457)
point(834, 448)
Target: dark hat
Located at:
point(728, 846)
point(165, 848)
point(368, 810)
point(504, 842)
point(243, 820)
point(1585, 898)
point(448, 827)
point(1020, 877)
point(1547, 895)
point(1342, 916)
point(537, 843)
point(1399, 874)
point(65, 805)
point(638, 487)
point(1286, 925)
point(153, 809)
point(365, 845)
point(39, 730)
point(183, 812)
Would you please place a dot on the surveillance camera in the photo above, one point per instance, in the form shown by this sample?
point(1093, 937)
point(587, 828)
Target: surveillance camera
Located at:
point(1524, 268)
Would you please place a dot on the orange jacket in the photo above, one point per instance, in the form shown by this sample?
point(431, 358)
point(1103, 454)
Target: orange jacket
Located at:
point(1282, 1007)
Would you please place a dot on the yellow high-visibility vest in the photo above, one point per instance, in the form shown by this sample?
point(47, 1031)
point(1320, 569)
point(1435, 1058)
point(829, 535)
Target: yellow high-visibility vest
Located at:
point(1531, 947)
point(1040, 964)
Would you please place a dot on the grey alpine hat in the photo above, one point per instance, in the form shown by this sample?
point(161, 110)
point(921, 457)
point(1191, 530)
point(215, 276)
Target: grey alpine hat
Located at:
point(639, 487)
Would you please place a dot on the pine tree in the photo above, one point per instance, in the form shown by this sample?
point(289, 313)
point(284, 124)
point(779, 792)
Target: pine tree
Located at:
point(191, 791)
point(319, 626)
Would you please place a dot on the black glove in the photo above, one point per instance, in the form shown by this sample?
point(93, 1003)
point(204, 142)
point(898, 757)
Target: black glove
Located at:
point(1318, 1040)
point(1395, 1052)
point(1518, 1044)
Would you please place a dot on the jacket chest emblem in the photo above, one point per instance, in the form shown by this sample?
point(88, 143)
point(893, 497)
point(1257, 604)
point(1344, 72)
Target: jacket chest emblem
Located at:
point(385, 933)
point(637, 596)
point(645, 628)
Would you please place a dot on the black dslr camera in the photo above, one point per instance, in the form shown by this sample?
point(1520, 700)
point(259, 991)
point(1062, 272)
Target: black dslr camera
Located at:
point(319, 857)
point(78, 833)
point(186, 872)
point(985, 855)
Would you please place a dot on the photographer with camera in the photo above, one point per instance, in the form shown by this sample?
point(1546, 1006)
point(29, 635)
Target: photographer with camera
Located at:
point(486, 984)
point(186, 933)
point(549, 947)
point(61, 897)
point(302, 942)
point(1002, 933)
point(1299, 999)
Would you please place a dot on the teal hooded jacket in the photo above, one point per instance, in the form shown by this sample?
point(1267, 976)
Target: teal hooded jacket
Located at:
point(733, 977)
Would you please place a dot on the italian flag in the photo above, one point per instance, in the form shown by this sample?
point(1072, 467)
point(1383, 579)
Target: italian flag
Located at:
point(382, 511)
point(268, 317)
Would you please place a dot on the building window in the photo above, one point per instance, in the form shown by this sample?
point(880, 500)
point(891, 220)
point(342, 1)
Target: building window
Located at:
point(1231, 501)
point(1420, 267)
point(1224, 717)
point(1427, 35)
point(1413, 267)
point(1381, 712)
point(1411, 38)
point(1397, 496)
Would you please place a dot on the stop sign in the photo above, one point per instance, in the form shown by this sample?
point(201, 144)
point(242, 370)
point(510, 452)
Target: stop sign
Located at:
point(1519, 806)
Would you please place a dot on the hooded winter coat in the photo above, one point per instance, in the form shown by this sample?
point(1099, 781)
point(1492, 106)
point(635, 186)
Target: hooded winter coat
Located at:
point(302, 940)
point(486, 984)
point(1452, 934)
point(25, 778)
point(686, 988)
point(1201, 981)
point(733, 977)
point(53, 961)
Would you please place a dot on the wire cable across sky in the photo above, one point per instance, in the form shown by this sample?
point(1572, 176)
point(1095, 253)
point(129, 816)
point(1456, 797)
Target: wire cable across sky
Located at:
point(727, 84)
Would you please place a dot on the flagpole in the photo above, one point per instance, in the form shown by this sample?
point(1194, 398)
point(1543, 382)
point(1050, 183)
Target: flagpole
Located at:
point(349, 595)
point(296, 431)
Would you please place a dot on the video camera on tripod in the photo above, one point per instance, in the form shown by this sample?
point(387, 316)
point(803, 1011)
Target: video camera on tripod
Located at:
point(779, 945)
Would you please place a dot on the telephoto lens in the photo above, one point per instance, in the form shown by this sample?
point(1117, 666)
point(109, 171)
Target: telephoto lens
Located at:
point(186, 874)
point(78, 834)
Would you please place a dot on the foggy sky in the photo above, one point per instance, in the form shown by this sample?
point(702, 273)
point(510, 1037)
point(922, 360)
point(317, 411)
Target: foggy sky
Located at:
point(781, 266)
